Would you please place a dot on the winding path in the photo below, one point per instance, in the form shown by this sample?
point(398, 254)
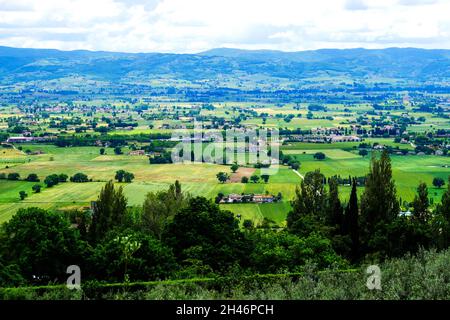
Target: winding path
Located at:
point(299, 174)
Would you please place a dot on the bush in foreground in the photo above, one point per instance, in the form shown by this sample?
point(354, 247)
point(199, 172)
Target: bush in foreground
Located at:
point(423, 276)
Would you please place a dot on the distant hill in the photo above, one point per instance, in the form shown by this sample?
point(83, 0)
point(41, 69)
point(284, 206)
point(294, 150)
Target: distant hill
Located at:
point(25, 65)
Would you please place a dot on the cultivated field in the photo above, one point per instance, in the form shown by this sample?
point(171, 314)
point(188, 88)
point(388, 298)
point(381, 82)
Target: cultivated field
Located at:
point(198, 179)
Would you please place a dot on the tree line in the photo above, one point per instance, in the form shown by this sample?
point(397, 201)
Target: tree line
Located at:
point(174, 235)
point(372, 225)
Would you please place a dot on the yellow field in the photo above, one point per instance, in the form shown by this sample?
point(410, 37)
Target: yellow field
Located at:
point(10, 153)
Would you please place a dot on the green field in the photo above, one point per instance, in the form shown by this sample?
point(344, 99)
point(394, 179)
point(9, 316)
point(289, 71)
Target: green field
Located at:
point(198, 179)
point(348, 146)
point(334, 154)
point(408, 171)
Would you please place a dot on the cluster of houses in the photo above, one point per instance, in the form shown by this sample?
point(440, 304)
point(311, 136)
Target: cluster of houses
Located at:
point(340, 138)
point(20, 139)
point(316, 138)
point(137, 153)
point(310, 138)
point(26, 139)
point(248, 198)
point(143, 153)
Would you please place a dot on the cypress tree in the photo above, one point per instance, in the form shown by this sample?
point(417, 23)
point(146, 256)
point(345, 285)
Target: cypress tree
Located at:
point(177, 189)
point(443, 218)
point(351, 221)
point(421, 203)
point(299, 209)
point(334, 207)
point(83, 225)
point(118, 209)
point(379, 204)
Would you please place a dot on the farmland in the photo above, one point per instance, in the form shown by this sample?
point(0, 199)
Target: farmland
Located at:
point(189, 168)
point(197, 178)
point(81, 136)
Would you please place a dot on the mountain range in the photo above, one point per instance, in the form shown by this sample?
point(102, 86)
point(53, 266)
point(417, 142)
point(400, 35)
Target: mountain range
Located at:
point(21, 65)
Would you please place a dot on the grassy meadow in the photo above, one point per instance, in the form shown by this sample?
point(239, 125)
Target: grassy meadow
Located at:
point(197, 179)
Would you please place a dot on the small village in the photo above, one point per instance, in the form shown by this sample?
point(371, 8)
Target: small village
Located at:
point(249, 198)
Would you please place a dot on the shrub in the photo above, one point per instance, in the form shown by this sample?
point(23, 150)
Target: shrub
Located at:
point(319, 156)
point(51, 180)
point(13, 176)
point(79, 177)
point(32, 177)
point(36, 188)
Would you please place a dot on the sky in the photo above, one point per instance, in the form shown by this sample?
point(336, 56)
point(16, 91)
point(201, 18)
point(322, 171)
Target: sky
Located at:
point(190, 26)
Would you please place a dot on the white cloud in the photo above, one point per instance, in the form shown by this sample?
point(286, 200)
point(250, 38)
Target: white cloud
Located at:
point(196, 25)
point(417, 2)
point(356, 5)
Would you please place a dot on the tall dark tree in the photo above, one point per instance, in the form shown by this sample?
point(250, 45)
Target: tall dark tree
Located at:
point(119, 208)
point(351, 221)
point(315, 194)
point(335, 215)
point(109, 212)
point(379, 202)
point(443, 219)
point(83, 224)
point(178, 193)
point(308, 207)
point(421, 203)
